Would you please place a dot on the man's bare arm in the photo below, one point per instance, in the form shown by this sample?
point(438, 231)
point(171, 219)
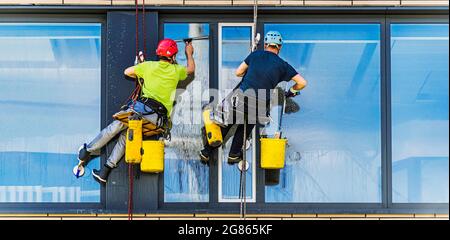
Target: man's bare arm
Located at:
point(242, 69)
point(300, 82)
point(130, 72)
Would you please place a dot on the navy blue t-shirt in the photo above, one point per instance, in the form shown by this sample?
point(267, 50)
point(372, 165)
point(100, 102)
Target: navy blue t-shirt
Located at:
point(265, 70)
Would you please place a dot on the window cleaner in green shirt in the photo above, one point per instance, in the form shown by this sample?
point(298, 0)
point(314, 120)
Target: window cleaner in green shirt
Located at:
point(158, 92)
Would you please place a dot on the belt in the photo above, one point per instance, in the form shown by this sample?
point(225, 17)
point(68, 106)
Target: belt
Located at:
point(155, 105)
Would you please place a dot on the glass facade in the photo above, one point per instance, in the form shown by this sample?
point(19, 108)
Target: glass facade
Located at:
point(50, 99)
point(334, 152)
point(50, 103)
point(185, 178)
point(419, 98)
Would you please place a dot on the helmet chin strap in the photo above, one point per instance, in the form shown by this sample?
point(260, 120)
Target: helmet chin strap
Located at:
point(173, 60)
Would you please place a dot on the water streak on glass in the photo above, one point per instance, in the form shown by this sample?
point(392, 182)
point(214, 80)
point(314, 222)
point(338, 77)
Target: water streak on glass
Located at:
point(185, 178)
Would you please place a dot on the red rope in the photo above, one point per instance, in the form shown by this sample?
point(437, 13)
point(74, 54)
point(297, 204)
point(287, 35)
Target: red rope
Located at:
point(143, 27)
point(137, 25)
point(134, 95)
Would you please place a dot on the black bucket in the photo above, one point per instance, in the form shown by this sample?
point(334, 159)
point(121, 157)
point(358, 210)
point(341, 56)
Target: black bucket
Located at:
point(272, 177)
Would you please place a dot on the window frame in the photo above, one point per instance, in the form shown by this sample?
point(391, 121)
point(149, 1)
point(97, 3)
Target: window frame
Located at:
point(214, 15)
point(86, 207)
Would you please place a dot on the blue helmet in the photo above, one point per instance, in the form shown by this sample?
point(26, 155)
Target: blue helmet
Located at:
point(273, 38)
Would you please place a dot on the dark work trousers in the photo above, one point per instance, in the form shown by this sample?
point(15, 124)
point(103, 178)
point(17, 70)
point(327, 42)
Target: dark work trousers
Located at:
point(238, 139)
point(236, 100)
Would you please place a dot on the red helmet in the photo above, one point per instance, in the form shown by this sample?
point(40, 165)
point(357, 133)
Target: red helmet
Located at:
point(167, 48)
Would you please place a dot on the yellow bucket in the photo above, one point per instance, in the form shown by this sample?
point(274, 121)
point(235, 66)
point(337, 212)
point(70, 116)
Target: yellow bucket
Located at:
point(213, 131)
point(273, 153)
point(152, 156)
point(134, 142)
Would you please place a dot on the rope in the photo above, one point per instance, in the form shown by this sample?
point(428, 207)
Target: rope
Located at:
point(241, 193)
point(243, 170)
point(137, 25)
point(135, 95)
point(137, 89)
point(255, 21)
point(143, 28)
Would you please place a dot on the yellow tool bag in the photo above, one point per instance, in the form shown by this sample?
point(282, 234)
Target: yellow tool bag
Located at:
point(148, 128)
point(134, 142)
point(152, 156)
point(273, 153)
point(212, 131)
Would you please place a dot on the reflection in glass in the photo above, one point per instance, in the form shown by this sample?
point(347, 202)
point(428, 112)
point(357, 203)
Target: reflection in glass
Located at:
point(420, 130)
point(50, 103)
point(334, 152)
point(236, 45)
point(185, 178)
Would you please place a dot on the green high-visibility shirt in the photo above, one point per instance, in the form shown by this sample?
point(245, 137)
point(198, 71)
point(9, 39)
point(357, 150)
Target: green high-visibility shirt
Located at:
point(160, 81)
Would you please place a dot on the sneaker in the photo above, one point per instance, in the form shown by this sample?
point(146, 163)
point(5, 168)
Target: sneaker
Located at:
point(101, 175)
point(204, 156)
point(83, 154)
point(234, 158)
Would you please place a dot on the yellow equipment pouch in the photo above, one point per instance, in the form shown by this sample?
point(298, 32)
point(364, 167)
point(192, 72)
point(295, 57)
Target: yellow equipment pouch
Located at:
point(152, 156)
point(212, 131)
point(133, 142)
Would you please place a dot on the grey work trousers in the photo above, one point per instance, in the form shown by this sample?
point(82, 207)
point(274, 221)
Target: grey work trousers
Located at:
point(109, 133)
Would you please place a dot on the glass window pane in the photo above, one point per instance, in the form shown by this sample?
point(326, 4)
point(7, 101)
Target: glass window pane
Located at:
point(235, 47)
point(334, 152)
point(185, 178)
point(50, 102)
point(420, 113)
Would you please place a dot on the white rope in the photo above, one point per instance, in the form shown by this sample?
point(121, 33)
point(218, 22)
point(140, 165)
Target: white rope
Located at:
point(255, 22)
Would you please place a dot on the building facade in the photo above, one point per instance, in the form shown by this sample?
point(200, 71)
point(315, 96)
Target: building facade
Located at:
point(371, 136)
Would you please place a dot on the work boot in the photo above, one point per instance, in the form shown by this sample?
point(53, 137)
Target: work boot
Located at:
point(234, 158)
point(83, 154)
point(101, 175)
point(204, 156)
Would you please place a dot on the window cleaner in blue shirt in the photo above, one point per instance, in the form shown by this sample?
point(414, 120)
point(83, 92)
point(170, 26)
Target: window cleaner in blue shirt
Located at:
point(261, 71)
